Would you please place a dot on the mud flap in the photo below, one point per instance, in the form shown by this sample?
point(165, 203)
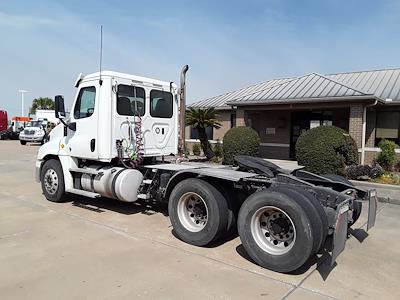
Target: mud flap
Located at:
point(372, 208)
point(340, 234)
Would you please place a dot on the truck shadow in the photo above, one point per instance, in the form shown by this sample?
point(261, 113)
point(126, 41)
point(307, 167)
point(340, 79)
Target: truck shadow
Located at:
point(102, 204)
point(322, 261)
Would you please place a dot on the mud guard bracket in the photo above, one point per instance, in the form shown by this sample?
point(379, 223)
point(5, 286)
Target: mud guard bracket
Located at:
point(372, 208)
point(340, 234)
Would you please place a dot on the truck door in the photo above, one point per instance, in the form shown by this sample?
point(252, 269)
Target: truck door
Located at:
point(162, 137)
point(82, 142)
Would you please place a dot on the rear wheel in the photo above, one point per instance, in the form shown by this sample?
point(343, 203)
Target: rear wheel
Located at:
point(313, 209)
point(275, 231)
point(357, 205)
point(52, 180)
point(198, 212)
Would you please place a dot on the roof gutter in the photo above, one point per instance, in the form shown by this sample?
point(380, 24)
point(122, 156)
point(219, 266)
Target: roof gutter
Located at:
point(306, 100)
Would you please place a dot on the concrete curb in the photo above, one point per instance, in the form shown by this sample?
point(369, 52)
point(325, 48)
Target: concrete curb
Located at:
point(387, 193)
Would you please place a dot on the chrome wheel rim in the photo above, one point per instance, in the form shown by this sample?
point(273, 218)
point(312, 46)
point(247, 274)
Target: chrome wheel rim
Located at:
point(51, 181)
point(192, 212)
point(273, 230)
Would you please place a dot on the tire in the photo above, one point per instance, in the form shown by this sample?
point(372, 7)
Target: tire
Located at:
point(357, 205)
point(233, 201)
point(314, 210)
point(23, 142)
point(260, 245)
point(190, 201)
point(52, 180)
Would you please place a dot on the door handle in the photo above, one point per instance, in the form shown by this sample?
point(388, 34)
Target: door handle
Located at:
point(92, 145)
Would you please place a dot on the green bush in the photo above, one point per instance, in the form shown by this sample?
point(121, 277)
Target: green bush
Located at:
point(186, 150)
point(240, 141)
point(218, 151)
point(326, 150)
point(387, 157)
point(196, 149)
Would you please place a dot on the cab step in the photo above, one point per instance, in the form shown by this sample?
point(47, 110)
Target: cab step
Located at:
point(86, 171)
point(83, 193)
point(147, 181)
point(143, 196)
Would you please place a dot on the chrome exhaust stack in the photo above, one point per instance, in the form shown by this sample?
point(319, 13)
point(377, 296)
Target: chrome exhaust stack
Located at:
point(182, 111)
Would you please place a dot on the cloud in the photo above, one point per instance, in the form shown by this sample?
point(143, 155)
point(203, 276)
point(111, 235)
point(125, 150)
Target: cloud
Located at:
point(24, 21)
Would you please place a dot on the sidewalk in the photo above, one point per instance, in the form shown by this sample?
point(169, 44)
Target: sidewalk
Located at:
point(386, 192)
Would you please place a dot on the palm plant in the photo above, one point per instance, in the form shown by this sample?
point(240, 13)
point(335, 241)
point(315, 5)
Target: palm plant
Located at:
point(200, 119)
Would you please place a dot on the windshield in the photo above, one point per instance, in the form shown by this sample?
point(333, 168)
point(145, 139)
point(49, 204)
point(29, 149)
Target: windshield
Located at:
point(33, 124)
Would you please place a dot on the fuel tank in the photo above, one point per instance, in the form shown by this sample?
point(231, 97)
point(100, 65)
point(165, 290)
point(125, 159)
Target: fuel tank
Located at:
point(116, 182)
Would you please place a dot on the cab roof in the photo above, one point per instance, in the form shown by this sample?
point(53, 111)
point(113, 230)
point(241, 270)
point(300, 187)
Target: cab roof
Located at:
point(136, 78)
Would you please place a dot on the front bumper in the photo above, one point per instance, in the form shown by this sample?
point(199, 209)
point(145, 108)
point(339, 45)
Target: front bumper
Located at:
point(31, 138)
point(38, 166)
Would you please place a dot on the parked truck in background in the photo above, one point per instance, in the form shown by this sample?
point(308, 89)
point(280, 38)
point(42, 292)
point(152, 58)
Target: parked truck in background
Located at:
point(3, 125)
point(46, 114)
point(113, 145)
point(36, 132)
point(17, 125)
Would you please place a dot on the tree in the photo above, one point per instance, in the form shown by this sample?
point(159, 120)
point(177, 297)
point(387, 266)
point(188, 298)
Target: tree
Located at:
point(200, 119)
point(41, 103)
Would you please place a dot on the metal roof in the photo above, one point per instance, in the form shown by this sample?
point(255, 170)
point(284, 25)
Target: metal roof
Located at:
point(384, 84)
point(377, 84)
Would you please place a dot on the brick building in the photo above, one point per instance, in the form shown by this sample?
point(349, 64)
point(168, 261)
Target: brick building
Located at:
point(366, 104)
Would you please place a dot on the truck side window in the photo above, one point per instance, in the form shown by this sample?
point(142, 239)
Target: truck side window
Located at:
point(160, 104)
point(130, 100)
point(84, 106)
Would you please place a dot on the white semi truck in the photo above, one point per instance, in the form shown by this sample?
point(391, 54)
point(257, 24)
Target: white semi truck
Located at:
point(113, 145)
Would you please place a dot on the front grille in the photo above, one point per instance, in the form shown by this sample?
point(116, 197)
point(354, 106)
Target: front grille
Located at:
point(29, 132)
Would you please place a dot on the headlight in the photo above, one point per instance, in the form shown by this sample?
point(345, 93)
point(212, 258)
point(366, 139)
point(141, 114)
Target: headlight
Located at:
point(39, 132)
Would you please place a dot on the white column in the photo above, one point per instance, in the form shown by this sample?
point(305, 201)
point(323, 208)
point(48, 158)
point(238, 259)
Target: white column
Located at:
point(363, 134)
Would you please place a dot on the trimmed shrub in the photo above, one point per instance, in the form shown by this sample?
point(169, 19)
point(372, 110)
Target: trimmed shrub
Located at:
point(376, 171)
point(387, 157)
point(186, 150)
point(364, 172)
point(326, 150)
point(196, 149)
point(218, 151)
point(240, 141)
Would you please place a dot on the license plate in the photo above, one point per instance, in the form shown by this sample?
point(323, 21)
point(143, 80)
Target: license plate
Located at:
point(340, 234)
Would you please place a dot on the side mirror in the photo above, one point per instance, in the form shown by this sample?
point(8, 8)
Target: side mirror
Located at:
point(59, 107)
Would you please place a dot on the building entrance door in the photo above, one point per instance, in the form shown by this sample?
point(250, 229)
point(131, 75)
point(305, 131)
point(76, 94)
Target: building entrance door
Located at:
point(305, 120)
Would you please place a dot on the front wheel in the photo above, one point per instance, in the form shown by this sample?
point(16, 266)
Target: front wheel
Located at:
point(52, 180)
point(275, 231)
point(198, 212)
point(23, 142)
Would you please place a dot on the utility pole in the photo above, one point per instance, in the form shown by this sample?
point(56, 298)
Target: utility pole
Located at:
point(22, 101)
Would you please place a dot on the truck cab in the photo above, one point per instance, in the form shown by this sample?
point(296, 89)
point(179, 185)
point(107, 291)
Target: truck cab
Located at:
point(108, 109)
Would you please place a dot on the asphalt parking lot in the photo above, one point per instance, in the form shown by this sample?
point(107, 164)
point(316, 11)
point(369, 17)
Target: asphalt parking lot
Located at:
point(104, 249)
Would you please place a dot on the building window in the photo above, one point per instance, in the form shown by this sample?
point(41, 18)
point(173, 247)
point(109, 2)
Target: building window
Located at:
point(233, 120)
point(387, 126)
point(161, 104)
point(194, 133)
point(84, 106)
point(130, 101)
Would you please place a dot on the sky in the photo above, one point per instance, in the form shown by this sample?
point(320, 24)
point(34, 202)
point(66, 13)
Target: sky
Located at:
point(44, 45)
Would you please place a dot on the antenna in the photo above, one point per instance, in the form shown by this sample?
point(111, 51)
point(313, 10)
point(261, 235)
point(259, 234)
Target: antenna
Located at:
point(101, 53)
